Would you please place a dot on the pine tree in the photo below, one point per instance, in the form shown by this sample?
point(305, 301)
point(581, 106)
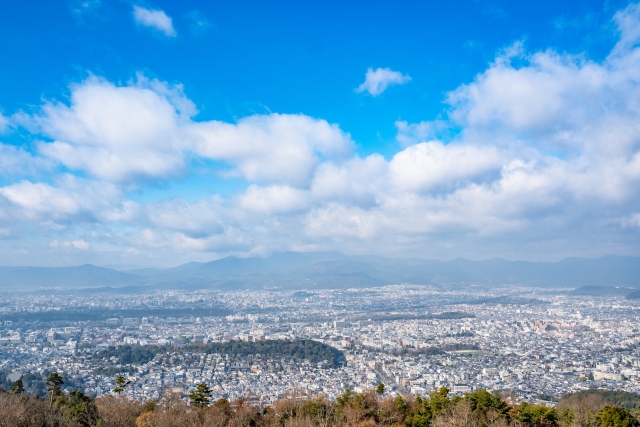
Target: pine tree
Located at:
point(17, 387)
point(615, 416)
point(54, 383)
point(121, 384)
point(201, 396)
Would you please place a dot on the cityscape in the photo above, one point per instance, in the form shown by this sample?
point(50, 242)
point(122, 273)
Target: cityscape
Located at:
point(536, 344)
point(319, 214)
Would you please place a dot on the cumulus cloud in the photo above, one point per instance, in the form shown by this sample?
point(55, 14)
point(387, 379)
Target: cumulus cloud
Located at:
point(273, 199)
point(40, 198)
point(273, 148)
point(541, 160)
point(60, 203)
point(378, 80)
point(155, 19)
point(146, 130)
point(427, 165)
point(117, 132)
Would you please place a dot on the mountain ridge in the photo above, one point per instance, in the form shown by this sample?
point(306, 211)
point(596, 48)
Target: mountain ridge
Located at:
point(334, 269)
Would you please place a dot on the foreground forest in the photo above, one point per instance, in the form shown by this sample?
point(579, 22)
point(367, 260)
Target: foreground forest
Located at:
point(477, 409)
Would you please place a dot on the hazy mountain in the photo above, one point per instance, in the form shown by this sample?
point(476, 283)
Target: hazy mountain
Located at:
point(295, 270)
point(46, 277)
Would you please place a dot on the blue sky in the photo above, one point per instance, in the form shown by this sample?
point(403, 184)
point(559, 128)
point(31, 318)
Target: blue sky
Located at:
point(162, 132)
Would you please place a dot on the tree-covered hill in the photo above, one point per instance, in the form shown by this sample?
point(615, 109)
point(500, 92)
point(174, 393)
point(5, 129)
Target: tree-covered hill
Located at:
point(596, 399)
point(312, 351)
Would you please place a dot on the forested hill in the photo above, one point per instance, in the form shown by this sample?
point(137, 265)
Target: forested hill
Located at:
point(312, 351)
point(599, 398)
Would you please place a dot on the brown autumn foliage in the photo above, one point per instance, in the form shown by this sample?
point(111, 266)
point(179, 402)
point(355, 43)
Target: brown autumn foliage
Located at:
point(478, 409)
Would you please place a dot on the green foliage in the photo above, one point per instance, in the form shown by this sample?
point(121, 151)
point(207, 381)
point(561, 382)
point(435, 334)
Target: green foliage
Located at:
point(420, 415)
point(54, 384)
point(121, 384)
point(615, 416)
point(201, 396)
point(482, 401)
point(400, 404)
point(310, 350)
point(17, 387)
point(317, 409)
point(461, 334)
point(78, 409)
point(548, 397)
point(480, 409)
point(127, 354)
point(624, 399)
point(438, 401)
point(32, 383)
point(344, 398)
point(149, 405)
point(313, 351)
point(534, 415)
point(380, 389)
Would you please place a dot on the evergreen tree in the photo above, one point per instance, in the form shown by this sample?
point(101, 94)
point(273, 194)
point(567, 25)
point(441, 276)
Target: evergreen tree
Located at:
point(17, 387)
point(615, 416)
point(344, 398)
point(121, 384)
point(438, 400)
point(201, 396)
point(380, 389)
point(54, 383)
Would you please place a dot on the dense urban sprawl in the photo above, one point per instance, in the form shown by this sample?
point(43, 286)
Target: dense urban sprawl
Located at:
point(536, 343)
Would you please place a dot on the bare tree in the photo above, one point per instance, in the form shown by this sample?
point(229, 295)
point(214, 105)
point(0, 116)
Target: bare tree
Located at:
point(459, 414)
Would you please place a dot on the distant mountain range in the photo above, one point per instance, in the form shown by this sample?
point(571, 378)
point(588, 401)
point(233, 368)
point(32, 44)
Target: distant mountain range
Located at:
point(297, 270)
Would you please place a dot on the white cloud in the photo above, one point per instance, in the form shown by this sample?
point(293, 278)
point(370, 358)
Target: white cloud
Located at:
point(117, 132)
point(273, 148)
point(156, 19)
point(37, 198)
point(273, 199)
point(69, 199)
point(357, 182)
point(428, 165)
point(145, 130)
point(377, 81)
point(16, 161)
point(542, 161)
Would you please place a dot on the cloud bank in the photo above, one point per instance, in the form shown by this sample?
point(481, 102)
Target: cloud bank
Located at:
point(545, 164)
